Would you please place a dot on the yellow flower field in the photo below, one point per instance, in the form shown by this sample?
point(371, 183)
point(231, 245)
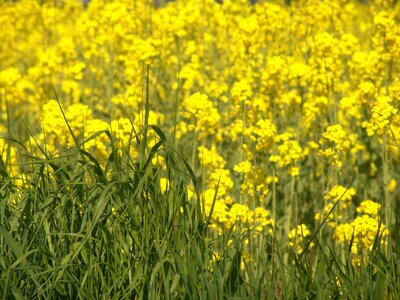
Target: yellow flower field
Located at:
point(287, 112)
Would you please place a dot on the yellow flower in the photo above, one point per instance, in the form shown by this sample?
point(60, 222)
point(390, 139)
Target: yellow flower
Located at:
point(361, 233)
point(297, 238)
point(243, 167)
point(263, 134)
point(370, 208)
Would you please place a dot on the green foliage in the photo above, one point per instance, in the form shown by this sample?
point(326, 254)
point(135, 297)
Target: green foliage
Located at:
point(78, 229)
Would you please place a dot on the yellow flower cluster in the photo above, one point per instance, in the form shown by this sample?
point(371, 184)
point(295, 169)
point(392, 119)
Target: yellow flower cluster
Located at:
point(225, 213)
point(255, 182)
point(369, 207)
point(289, 153)
point(336, 143)
point(337, 201)
point(298, 238)
point(263, 134)
point(383, 116)
point(200, 116)
point(363, 232)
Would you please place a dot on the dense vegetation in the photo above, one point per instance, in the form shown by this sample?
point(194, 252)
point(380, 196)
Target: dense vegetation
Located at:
point(198, 149)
